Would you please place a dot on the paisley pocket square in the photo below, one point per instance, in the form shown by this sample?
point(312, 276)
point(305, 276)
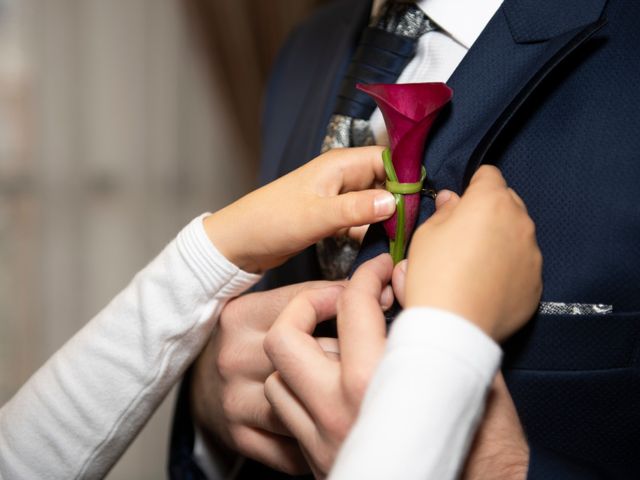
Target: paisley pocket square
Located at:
point(563, 308)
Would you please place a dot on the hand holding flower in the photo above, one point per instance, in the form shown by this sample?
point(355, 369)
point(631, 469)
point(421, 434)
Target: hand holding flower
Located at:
point(477, 256)
point(328, 196)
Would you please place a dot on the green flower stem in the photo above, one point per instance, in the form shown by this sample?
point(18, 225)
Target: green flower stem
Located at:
point(398, 246)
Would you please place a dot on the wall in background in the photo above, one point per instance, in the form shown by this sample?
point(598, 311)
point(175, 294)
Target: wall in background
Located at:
point(113, 134)
point(240, 39)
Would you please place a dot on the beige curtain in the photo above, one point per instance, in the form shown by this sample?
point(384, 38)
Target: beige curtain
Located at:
point(240, 39)
point(119, 121)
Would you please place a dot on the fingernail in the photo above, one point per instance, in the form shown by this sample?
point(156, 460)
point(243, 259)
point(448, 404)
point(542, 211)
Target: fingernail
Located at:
point(403, 266)
point(443, 197)
point(384, 204)
point(386, 299)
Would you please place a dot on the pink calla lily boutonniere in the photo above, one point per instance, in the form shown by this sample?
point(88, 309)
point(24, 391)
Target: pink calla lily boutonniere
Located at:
point(409, 111)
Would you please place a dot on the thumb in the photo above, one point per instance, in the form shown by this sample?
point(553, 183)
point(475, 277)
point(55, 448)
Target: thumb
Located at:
point(357, 208)
point(398, 280)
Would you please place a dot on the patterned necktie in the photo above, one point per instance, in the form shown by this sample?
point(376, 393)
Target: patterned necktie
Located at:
point(385, 48)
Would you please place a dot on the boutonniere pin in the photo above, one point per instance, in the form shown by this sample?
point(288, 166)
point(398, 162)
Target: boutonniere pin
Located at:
point(409, 111)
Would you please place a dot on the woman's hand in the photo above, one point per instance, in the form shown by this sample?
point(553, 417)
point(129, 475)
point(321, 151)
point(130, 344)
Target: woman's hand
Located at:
point(328, 196)
point(319, 385)
point(477, 256)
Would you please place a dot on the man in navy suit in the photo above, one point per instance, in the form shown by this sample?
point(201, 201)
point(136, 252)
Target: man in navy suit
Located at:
point(547, 93)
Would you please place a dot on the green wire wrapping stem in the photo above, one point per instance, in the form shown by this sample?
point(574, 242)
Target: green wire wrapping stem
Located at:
point(398, 246)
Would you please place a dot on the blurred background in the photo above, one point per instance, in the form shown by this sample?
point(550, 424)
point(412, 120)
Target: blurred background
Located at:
point(120, 120)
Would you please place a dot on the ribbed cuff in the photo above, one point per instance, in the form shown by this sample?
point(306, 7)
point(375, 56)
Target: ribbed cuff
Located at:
point(424, 327)
point(217, 274)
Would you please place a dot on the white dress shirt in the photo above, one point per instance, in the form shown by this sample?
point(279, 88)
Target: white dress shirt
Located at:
point(440, 52)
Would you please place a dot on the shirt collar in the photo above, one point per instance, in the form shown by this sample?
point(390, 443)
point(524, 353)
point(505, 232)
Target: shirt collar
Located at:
point(463, 20)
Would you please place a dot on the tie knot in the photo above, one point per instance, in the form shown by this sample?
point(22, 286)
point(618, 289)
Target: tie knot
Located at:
point(385, 48)
point(403, 18)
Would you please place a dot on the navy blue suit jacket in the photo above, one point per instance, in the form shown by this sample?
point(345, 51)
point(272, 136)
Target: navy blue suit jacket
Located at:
point(548, 93)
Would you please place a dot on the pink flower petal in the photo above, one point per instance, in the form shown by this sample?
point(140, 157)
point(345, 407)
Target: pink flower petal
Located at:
point(409, 111)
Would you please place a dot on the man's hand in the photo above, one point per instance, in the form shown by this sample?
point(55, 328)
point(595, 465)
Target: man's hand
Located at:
point(316, 395)
point(333, 194)
point(500, 450)
point(477, 256)
point(227, 388)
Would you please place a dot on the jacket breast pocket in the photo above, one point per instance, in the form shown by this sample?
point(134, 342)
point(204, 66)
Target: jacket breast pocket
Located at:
point(575, 342)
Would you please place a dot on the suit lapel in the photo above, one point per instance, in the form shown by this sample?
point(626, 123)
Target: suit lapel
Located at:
point(521, 45)
point(523, 42)
point(334, 48)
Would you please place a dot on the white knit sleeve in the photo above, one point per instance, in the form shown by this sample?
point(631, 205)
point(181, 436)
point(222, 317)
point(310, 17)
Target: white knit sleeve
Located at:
point(77, 414)
point(423, 404)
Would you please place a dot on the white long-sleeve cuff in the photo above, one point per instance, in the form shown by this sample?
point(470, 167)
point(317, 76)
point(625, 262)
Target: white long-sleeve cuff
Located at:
point(433, 328)
point(214, 271)
point(419, 414)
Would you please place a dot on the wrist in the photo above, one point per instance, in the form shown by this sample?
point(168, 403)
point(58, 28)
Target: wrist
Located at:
point(509, 461)
point(474, 312)
point(222, 230)
point(516, 464)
